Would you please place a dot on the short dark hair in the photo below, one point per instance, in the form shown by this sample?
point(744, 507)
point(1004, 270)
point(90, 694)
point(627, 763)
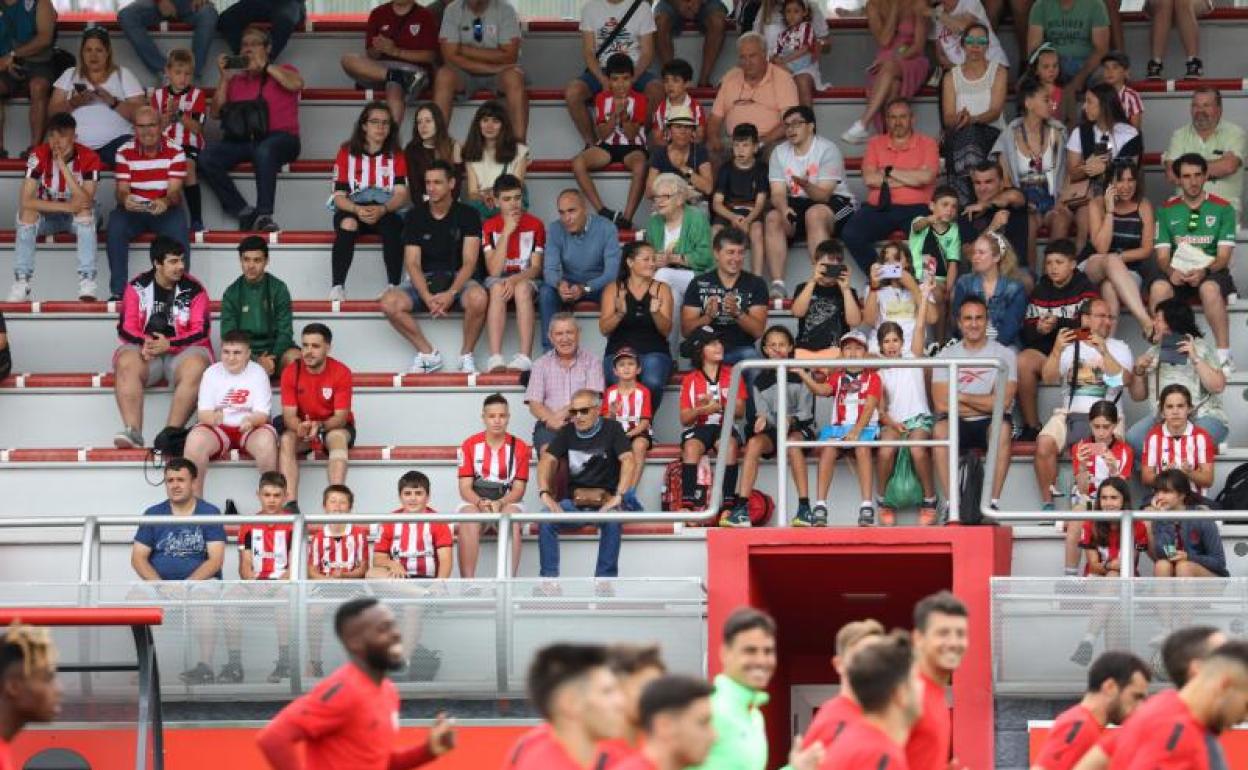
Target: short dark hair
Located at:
point(495, 398)
point(805, 112)
point(1179, 316)
point(1063, 246)
point(677, 68)
point(877, 670)
point(253, 243)
point(987, 165)
point(164, 246)
point(732, 235)
point(670, 693)
point(349, 609)
point(1182, 647)
point(61, 122)
point(745, 131)
point(942, 602)
point(972, 299)
point(619, 64)
point(236, 336)
point(438, 164)
point(832, 247)
point(507, 183)
point(745, 619)
point(1118, 665)
point(182, 464)
point(339, 488)
point(1235, 651)
point(557, 665)
point(413, 480)
point(944, 191)
point(272, 479)
point(318, 328)
point(1189, 159)
point(625, 659)
point(1171, 389)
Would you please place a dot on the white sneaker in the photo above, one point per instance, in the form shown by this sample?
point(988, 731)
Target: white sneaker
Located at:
point(1227, 362)
point(856, 134)
point(21, 290)
point(467, 364)
point(337, 294)
point(495, 363)
point(87, 289)
point(520, 363)
point(426, 363)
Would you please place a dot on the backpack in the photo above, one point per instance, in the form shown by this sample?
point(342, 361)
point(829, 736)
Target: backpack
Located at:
point(1234, 495)
point(672, 494)
point(971, 487)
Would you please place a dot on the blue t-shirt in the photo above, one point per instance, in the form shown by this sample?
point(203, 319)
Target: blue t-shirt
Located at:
point(178, 549)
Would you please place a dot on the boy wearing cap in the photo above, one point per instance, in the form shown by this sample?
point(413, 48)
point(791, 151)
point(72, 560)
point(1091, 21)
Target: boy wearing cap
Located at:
point(677, 75)
point(628, 403)
point(1116, 71)
point(703, 397)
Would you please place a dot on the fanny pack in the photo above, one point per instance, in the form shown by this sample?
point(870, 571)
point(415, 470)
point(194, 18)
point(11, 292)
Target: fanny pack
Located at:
point(497, 490)
point(590, 497)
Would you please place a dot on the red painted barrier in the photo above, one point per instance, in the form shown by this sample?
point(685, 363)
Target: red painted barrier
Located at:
point(85, 616)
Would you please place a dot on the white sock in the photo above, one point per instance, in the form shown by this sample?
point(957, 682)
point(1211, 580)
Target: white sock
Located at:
point(866, 504)
point(821, 503)
point(1223, 354)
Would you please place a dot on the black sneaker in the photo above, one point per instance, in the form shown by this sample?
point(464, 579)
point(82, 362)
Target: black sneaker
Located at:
point(1195, 68)
point(266, 224)
point(247, 219)
point(1154, 69)
point(201, 674)
point(280, 671)
point(230, 673)
point(1029, 433)
point(1083, 654)
point(736, 516)
point(866, 516)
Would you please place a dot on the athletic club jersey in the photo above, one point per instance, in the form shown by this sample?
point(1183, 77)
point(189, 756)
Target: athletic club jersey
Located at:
point(528, 240)
point(850, 392)
point(1142, 722)
point(1073, 733)
point(1179, 742)
point(831, 720)
point(236, 396)
point(149, 174)
point(353, 173)
point(1193, 447)
point(794, 39)
point(415, 545)
point(538, 749)
point(930, 738)
point(1112, 549)
point(863, 746)
point(628, 408)
point(270, 549)
point(83, 164)
point(190, 102)
point(507, 464)
point(697, 387)
point(316, 396)
point(605, 105)
point(1098, 467)
point(339, 553)
point(660, 113)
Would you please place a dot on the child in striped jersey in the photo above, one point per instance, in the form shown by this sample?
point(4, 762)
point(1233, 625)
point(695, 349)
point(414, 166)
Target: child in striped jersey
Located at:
point(263, 555)
point(182, 107)
point(628, 403)
point(338, 552)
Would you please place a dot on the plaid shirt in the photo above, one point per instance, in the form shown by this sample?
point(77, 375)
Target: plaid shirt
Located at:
point(552, 384)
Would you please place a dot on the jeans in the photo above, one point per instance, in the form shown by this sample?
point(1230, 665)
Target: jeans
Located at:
point(124, 226)
point(1136, 434)
point(655, 370)
point(50, 224)
point(550, 302)
point(108, 153)
point(269, 155)
point(284, 15)
point(869, 224)
point(608, 564)
point(136, 17)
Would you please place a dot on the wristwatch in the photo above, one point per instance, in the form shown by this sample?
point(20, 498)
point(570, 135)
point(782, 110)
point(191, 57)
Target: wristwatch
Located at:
point(888, 171)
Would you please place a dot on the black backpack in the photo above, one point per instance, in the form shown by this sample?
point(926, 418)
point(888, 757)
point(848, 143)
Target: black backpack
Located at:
point(1234, 495)
point(971, 487)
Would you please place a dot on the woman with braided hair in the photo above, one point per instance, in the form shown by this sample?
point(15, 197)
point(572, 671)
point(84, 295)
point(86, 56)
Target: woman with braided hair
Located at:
point(29, 691)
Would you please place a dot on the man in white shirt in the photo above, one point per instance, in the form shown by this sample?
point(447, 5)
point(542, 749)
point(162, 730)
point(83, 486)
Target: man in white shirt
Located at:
point(234, 401)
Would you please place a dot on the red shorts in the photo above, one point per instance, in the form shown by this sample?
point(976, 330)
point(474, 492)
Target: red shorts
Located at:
point(230, 437)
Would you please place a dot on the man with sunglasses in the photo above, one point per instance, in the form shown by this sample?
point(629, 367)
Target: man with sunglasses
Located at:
point(1199, 220)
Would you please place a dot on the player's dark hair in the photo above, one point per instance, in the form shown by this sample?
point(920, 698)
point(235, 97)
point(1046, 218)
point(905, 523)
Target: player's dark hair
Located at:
point(743, 132)
point(1235, 651)
point(676, 68)
point(272, 479)
point(60, 123)
point(413, 480)
point(557, 665)
point(987, 165)
point(619, 64)
point(162, 247)
point(348, 610)
point(878, 669)
point(806, 113)
point(236, 336)
point(1170, 390)
point(972, 299)
point(182, 464)
point(1118, 665)
point(626, 659)
point(253, 243)
point(1189, 159)
point(440, 165)
point(507, 183)
point(942, 602)
point(670, 693)
point(495, 398)
point(1184, 646)
point(745, 619)
point(732, 235)
point(944, 191)
point(318, 328)
point(832, 247)
point(341, 489)
point(1063, 246)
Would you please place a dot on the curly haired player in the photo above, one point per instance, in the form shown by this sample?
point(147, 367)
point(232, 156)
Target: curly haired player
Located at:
point(29, 691)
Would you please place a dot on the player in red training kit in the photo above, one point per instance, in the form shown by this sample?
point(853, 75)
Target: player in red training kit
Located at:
point(1117, 684)
point(572, 687)
point(350, 721)
point(940, 641)
point(675, 714)
point(29, 691)
point(886, 684)
point(837, 713)
point(635, 666)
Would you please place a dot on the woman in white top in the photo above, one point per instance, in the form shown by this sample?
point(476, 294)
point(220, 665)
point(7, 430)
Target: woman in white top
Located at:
point(1105, 138)
point(490, 151)
point(101, 96)
point(972, 99)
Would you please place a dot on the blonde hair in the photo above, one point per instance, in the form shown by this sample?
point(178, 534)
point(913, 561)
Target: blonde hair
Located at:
point(855, 631)
point(1008, 265)
point(32, 645)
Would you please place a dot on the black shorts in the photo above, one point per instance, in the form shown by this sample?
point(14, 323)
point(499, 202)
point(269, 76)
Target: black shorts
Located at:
point(973, 434)
point(648, 436)
point(840, 207)
point(740, 209)
point(192, 153)
point(707, 434)
point(1226, 284)
point(805, 429)
point(619, 152)
point(279, 424)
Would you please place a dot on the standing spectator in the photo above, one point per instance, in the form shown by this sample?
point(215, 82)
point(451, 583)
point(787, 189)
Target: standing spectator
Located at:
point(370, 189)
point(412, 550)
point(677, 75)
point(680, 235)
point(1078, 30)
point(491, 150)
point(637, 316)
point(480, 46)
point(1116, 72)
point(996, 206)
point(400, 53)
point(163, 334)
point(951, 18)
point(264, 555)
point(258, 304)
point(316, 411)
point(1221, 143)
point(1102, 140)
point(1121, 230)
point(810, 199)
point(30, 29)
point(58, 195)
point(704, 394)
point(582, 257)
point(620, 114)
point(1185, 547)
point(904, 411)
point(629, 403)
point(283, 16)
point(710, 16)
point(233, 414)
point(514, 241)
point(442, 245)
point(137, 17)
point(493, 477)
point(742, 190)
point(103, 97)
point(181, 107)
point(729, 299)
point(755, 91)
point(279, 87)
point(1177, 442)
point(600, 460)
point(190, 552)
point(431, 141)
point(900, 68)
point(825, 305)
point(972, 100)
point(1185, 15)
point(991, 279)
point(680, 154)
point(564, 370)
point(899, 170)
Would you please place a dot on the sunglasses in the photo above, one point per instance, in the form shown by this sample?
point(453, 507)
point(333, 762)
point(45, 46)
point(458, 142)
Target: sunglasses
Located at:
point(98, 33)
point(579, 411)
point(975, 40)
point(478, 30)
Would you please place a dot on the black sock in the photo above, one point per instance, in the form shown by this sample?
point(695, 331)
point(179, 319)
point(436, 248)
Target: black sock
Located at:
point(689, 481)
point(803, 501)
point(194, 202)
point(730, 483)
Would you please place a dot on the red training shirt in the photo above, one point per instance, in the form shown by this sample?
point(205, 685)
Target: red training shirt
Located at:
point(1113, 549)
point(635, 761)
point(1179, 742)
point(619, 754)
point(833, 717)
point(1156, 709)
point(416, 30)
point(931, 736)
point(538, 749)
point(83, 164)
point(528, 240)
point(270, 549)
point(6, 756)
point(415, 545)
point(318, 396)
point(1072, 735)
point(863, 746)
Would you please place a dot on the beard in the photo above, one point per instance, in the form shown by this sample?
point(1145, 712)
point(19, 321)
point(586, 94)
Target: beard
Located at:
point(382, 661)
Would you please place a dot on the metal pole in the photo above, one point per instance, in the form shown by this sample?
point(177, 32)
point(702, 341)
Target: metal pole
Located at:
point(1126, 569)
point(953, 495)
point(502, 603)
point(90, 531)
point(782, 446)
point(297, 596)
point(502, 572)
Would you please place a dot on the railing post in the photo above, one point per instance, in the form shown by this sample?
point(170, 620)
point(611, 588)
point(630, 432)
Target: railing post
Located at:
point(1126, 571)
point(782, 446)
point(298, 597)
point(502, 603)
point(503, 569)
point(953, 497)
point(86, 553)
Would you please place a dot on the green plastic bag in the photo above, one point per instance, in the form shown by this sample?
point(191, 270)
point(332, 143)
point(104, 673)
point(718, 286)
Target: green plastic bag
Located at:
point(903, 490)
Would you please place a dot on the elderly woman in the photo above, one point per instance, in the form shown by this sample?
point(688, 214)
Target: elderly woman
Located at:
point(1104, 139)
point(681, 236)
point(681, 155)
point(637, 312)
point(900, 67)
point(280, 86)
point(972, 98)
point(101, 96)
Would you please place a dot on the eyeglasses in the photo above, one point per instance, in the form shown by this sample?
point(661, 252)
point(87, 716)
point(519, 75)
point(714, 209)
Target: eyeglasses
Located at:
point(975, 40)
point(580, 411)
point(478, 29)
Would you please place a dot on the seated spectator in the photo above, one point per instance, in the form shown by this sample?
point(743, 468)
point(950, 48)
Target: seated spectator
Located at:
point(1180, 356)
point(138, 17)
point(582, 257)
point(490, 151)
point(742, 191)
point(370, 191)
point(797, 33)
point(493, 477)
point(32, 62)
point(1057, 303)
point(972, 104)
point(729, 299)
point(513, 241)
point(636, 315)
point(150, 173)
point(826, 305)
point(337, 552)
point(949, 19)
point(1044, 66)
point(316, 411)
point(58, 196)
point(400, 53)
point(709, 16)
point(1103, 140)
point(283, 16)
point(756, 91)
point(904, 412)
point(976, 388)
point(703, 402)
point(631, 404)
point(480, 45)
point(620, 114)
point(1101, 456)
point(412, 550)
point(279, 86)
point(1222, 144)
point(233, 412)
point(1078, 30)
point(993, 265)
point(680, 235)
point(901, 300)
point(556, 376)
point(810, 198)
point(935, 246)
point(264, 552)
point(258, 304)
point(677, 75)
point(680, 154)
point(442, 245)
point(190, 552)
point(163, 331)
point(182, 109)
point(600, 460)
point(1185, 15)
point(1183, 547)
point(1176, 441)
point(431, 141)
point(995, 205)
point(900, 67)
point(899, 170)
point(102, 97)
point(6, 353)
point(1121, 226)
point(601, 39)
point(1116, 71)
point(1197, 224)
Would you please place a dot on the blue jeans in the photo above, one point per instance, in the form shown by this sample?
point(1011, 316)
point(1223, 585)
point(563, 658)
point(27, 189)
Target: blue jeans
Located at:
point(136, 17)
point(124, 226)
point(608, 564)
point(1136, 434)
point(869, 224)
point(655, 370)
point(549, 302)
point(268, 155)
point(50, 224)
point(284, 15)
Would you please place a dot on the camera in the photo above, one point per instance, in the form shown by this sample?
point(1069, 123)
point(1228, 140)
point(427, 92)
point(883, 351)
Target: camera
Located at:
point(833, 271)
point(890, 271)
point(237, 62)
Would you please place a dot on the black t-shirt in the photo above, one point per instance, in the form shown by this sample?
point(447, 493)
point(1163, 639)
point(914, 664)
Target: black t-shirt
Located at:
point(1048, 298)
point(750, 291)
point(1015, 229)
point(160, 317)
point(441, 241)
point(593, 462)
point(824, 322)
point(660, 162)
point(741, 186)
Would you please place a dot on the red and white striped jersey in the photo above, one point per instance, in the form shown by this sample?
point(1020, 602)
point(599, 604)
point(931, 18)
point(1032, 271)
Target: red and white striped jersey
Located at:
point(850, 392)
point(149, 174)
point(269, 545)
point(415, 545)
point(628, 409)
point(507, 463)
point(660, 113)
point(339, 553)
point(191, 102)
point(635, 109)
point(1098, 467)
point(84, 165)
point(1193, 447)
point(793, 39)
point(528, 239)
point(1110, 551)
point(353, 173)
point(697, 386)
point(1131, 102)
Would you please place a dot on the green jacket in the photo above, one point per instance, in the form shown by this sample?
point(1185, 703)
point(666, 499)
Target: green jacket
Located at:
point(741, 736)
point(694, 243)
point(261, 309)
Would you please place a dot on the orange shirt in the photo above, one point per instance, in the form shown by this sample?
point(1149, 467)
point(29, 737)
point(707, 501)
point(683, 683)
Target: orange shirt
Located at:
point(919, 151)
point(738, 102)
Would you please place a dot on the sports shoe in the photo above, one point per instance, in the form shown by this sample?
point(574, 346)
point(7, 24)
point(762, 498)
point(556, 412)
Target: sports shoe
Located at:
point(495, 363)
point(821, 515)
point(266, 224)
point(467, 364)
point(928, 514)
point(1082, 655)
point(247, 219)
point(87, 288)
point(337, 293)
point(856, 134)
point(802, 512)
point(280, 671)
point(128, 438)
point(1028, 433)
point(426, 363)
point(603, 589)
point(197, 226)
point(737, 516)
point(806, 517)
point(230, 673)
point(1195, 68)
point(778, 291)
point(866, 515)
point(888, 516)
point(416, 88)
point(201, 674)
point(21, 289)
point(1226, 362)
point(1154, 69)
point(520, 363)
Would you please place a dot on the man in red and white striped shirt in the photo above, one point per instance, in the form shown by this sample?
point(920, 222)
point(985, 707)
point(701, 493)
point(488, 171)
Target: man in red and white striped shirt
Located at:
point(493, 476)
point(150, 173)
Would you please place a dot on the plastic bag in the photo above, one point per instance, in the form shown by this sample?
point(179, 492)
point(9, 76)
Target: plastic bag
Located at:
point(903, 490)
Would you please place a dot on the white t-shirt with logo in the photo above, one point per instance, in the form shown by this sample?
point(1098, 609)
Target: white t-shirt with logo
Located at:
point(822, 162)
point(1090, 381)
point(601, 17)
point(99, 124)
point(236, 395)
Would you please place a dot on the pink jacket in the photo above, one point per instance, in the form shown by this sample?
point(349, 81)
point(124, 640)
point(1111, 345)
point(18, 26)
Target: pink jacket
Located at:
point(188, 314)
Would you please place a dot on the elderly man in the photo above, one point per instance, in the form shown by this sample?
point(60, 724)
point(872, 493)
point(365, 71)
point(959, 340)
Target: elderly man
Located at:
point(582, 257)
point(557, 375)
point(899, 170)
point(755, 91)
point(1220, 142)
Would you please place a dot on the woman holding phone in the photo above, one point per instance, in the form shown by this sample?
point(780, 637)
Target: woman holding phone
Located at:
point(101, 96)
point(1121, 230)
point(1183, 546)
